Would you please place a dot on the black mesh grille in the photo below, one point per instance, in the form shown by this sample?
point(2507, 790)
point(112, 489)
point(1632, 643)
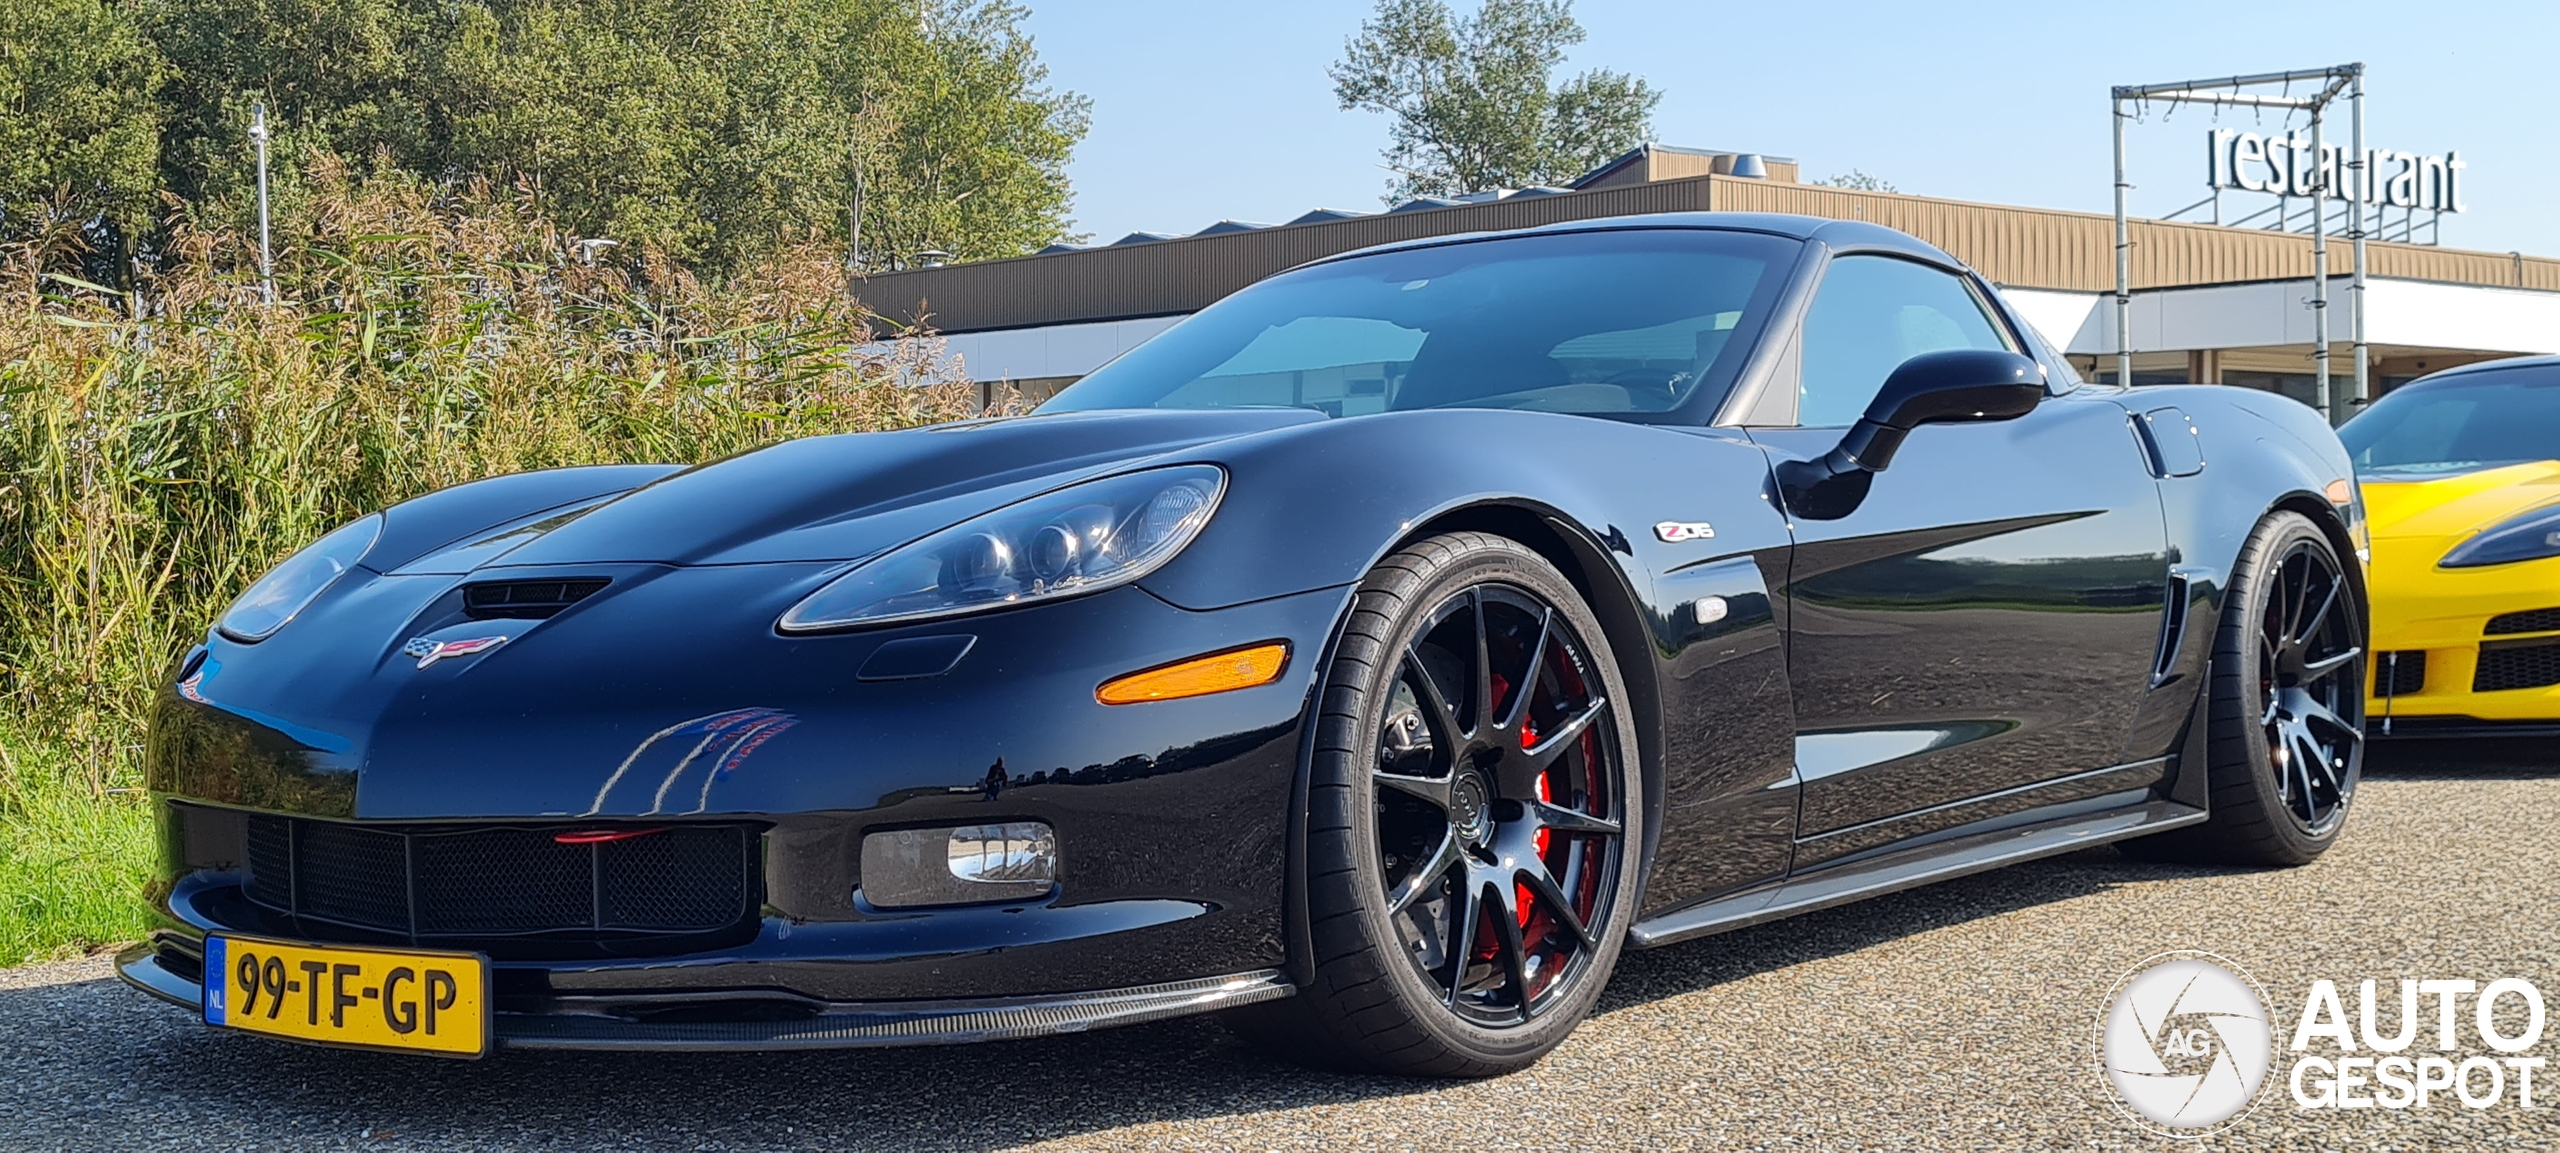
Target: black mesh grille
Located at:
point(505, 881)
point(2399, 674)
point(2534, 621)
point(647, 882)
point(527, 599)
point(2513, 665)
point(356, 876)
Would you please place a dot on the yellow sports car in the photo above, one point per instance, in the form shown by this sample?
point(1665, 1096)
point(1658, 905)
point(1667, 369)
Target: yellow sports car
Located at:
point(2461, 476)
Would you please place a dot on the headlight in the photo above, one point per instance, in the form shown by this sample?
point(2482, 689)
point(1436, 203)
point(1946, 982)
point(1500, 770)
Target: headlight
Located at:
point(302, 577)
point(1080, 539)
point(2532, 536)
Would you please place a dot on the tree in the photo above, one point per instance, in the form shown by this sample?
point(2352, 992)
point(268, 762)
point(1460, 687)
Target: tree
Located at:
point(79, 132)
point(1857, 178)
point(1473, 98)
point(707, 130)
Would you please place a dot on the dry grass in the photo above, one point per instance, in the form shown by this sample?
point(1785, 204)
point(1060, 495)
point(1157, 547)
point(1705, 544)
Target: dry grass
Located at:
point(160, 448)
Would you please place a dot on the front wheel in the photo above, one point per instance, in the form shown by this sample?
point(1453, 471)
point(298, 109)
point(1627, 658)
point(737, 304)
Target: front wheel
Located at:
point(1474, 820)
point(2286, 743)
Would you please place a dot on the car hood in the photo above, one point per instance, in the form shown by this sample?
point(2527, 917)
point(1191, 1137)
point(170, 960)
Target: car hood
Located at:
point(839, 498)
point(2456, 505)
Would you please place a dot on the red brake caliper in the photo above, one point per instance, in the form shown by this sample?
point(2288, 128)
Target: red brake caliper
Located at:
point(1529, 738)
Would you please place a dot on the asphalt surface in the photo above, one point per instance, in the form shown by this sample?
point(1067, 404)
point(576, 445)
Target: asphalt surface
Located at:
point(1957, 1016)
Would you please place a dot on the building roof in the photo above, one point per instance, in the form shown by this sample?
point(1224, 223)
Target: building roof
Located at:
point(1149, 274)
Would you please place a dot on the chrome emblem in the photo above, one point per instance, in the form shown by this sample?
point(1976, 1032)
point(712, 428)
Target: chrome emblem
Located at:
point(429, 650)
point(1676, 531)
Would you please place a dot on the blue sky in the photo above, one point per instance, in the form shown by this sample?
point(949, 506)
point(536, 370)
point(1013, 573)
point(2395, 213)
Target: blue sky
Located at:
point(1217, 110)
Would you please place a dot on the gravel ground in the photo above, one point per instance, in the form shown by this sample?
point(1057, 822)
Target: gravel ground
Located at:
point(1957, 1016)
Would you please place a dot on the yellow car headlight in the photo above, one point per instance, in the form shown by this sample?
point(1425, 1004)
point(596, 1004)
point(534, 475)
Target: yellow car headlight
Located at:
point(2534, 535)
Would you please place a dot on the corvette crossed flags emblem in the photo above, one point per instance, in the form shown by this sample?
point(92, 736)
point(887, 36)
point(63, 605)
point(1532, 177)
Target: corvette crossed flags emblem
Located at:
point(429, 651)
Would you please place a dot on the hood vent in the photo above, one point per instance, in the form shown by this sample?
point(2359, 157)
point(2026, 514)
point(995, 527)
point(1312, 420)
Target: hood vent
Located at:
point(525, 600)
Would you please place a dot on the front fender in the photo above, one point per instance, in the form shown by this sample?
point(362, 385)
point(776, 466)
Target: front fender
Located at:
point(1315, 506)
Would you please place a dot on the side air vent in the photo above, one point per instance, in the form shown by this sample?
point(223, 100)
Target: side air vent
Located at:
point(2517, 665)
point(2173, 626)
point(2398, 674)
point(526, 600)
point(2532, 621)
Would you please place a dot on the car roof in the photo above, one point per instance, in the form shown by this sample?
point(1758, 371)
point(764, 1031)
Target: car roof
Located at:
point(2485, 366)
point(1857, 234)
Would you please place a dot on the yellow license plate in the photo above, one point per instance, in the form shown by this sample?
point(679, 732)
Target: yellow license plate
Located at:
point(372, 998)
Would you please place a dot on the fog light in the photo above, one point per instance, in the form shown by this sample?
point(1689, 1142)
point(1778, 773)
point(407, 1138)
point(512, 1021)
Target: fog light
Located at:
point(1013, 861)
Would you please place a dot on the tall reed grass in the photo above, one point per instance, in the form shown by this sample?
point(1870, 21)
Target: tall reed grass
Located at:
point(160, 447)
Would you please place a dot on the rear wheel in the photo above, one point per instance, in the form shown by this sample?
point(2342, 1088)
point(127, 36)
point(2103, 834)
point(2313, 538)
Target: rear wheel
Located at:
point(1472, 817)
point(2286, 743)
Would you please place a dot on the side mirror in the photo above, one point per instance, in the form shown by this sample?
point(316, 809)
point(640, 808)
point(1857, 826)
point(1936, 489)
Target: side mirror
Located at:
point(1957, 385)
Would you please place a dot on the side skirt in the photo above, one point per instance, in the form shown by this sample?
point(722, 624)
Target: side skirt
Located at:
point(2044, 833)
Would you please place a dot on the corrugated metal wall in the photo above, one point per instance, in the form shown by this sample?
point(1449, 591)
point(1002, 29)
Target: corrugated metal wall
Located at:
point(2022, 247)
point(2075, 251)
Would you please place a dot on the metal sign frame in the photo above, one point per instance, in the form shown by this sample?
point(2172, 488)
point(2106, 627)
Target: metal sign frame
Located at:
point(2334, 81)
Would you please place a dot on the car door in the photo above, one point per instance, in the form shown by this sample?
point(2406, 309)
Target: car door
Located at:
point(1981, 626)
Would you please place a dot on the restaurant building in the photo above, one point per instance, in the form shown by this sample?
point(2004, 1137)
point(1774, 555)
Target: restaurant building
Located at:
point(2211, 303)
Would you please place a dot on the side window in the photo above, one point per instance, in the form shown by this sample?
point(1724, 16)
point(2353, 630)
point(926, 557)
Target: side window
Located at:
point(1871, 314)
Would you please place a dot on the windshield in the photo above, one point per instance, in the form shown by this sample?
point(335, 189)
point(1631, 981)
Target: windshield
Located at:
point(1628, 321)
point(2459, 423)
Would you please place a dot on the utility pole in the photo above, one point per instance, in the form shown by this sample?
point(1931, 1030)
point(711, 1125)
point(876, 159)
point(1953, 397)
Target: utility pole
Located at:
point(2329, 406)
point(2124, 263)
point(2356, 231)
point(266, 249)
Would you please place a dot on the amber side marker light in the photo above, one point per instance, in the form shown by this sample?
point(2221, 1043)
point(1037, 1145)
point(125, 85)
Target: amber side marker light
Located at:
point(1199, 676)
point(2339, 492)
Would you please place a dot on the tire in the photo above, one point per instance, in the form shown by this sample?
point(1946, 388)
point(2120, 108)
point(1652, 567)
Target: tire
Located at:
point(2285, 743)
point(1428, 811)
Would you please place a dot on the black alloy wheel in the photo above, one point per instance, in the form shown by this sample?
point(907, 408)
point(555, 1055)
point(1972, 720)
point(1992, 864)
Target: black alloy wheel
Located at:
point(2285, 718)
point(1472, 820)
point(2311, 677)
point(1496, 805)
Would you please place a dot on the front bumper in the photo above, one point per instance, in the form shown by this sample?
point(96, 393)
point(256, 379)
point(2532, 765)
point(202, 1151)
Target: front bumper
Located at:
point(796, 1023)
point(1171, 818)
point(2463, 652)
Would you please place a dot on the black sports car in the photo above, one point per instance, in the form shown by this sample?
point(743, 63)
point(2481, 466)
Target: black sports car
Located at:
point(1372, 655)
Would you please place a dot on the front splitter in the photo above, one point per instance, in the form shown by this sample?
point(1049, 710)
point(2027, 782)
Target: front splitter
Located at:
point(831, 1025)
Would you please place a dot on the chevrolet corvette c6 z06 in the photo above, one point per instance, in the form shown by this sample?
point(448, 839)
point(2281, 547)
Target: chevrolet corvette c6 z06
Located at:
point(1371, 657)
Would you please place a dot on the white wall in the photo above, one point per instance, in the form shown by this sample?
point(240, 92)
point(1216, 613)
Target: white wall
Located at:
point(1055, 350)
point(2060, 317)
point(2403, 312)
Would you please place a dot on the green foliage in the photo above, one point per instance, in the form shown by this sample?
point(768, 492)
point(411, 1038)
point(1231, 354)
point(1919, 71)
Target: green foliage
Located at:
point(710, 131)
point(1473, 98)
point(72, 864)
point(149, 469)
point(1858, 179)
point(79, 130)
